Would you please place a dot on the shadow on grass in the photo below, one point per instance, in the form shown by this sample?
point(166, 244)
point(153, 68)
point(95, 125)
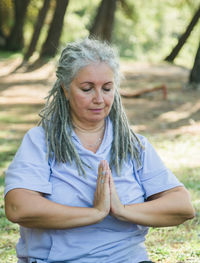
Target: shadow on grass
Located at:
point(22, 108)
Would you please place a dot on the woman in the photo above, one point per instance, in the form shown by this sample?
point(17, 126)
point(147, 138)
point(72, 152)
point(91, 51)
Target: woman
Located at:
point(82, 186)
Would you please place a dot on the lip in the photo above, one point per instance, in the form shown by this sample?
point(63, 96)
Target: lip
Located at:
point(96, 110)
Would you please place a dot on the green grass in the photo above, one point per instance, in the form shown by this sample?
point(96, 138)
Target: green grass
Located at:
point(180, 153)
point(15, 120)
point(182, 243)
point(8, 54)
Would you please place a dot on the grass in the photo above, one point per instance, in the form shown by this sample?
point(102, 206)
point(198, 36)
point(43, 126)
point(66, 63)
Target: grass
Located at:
point(14, 121)
point(180, 153)
point(8, 54)
point(182, 243)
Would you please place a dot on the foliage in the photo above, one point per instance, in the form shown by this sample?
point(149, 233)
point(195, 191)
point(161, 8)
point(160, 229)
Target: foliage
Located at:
point(148, 33)
point(155, 29)
point(144, 30)
point(6, 16)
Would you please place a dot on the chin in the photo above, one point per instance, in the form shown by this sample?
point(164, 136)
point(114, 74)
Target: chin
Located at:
point(97, 119)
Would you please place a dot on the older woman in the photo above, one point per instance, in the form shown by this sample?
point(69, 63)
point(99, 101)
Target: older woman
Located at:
point(82, 186)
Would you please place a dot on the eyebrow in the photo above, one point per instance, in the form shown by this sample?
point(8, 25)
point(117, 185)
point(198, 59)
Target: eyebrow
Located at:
point(90, 82)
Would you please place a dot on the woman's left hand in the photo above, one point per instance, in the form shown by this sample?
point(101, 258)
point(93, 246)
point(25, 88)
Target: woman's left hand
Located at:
point(116, 207)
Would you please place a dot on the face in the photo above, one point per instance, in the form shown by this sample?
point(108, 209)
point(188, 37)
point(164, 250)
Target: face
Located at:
point(91, 94)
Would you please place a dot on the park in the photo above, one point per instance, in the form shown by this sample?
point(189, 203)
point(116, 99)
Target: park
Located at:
point(160, 90)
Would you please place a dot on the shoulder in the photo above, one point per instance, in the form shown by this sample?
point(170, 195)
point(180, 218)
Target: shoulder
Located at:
point(34, 138)
point(144, 142)
point(36, 133)
point(33, 147)
point(141, 143)
point(148, 154)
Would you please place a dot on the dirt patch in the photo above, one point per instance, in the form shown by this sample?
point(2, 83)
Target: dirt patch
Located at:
point(177, 114)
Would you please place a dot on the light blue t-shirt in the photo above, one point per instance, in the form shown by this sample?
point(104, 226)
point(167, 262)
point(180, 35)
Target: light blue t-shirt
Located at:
point(110, 241)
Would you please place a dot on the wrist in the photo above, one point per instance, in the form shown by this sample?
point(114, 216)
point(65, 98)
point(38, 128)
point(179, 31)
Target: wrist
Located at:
point(120, 212)
point(99, 215)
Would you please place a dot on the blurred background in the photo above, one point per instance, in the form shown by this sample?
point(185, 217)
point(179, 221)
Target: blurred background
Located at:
point(142, 30)
point(159, 47)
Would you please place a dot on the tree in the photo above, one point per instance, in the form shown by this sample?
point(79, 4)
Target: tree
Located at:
point(194, 78)
point(2, 35)
point(38, 26)
point(50, 46)
point(183, 38)
point(15, 40)
point(104, 20)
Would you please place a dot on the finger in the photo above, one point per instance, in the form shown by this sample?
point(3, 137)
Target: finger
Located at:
point(112, 184)
point(106, 165)
point(100, 167)
point(100, 170)
point(107, 177)
point(106, 162)
point(103, 171)
point(108, 168)
point(103, 176)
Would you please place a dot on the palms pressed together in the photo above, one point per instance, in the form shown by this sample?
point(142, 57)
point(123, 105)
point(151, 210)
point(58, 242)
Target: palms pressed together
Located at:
point(106, 199)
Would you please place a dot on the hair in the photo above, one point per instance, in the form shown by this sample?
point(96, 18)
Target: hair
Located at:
point(55, 116)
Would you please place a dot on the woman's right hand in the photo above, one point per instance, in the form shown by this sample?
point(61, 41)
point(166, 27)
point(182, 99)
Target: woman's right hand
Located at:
point(102, 194)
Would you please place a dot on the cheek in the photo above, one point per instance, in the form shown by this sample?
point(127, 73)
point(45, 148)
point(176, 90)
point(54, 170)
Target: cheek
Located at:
point(110, 99)
point(80, 101)
point(84, 101)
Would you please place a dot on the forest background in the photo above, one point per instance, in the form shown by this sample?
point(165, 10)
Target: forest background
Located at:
point(159, 47)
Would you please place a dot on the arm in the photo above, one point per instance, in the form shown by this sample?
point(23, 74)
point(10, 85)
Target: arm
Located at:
point(168, 208)
point(31, 209)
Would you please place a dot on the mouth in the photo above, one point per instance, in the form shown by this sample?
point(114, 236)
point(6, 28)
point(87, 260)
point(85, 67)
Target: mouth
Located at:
point(97, 110)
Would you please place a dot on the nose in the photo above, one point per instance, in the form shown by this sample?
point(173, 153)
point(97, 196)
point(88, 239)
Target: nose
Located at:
point(98, 97)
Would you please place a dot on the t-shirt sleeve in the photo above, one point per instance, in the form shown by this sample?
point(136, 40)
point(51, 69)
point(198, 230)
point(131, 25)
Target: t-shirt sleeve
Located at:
point(30, 168)
point(153, 174)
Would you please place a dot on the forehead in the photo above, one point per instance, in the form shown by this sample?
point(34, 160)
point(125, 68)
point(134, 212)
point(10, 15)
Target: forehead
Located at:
point(95, 71)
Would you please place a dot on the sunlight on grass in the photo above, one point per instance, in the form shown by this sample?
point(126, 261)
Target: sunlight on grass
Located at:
point(174, 244)
point(177, 151)
point(182, 243)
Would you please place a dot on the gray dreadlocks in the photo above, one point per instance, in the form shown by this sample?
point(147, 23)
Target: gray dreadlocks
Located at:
point(55, 116)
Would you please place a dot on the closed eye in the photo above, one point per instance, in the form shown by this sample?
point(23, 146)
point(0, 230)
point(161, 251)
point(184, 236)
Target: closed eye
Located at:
point(108, 86)
point(86, 89)
point(107, 89)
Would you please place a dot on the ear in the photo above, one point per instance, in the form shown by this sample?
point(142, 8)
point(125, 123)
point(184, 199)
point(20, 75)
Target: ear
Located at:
point(65, 91)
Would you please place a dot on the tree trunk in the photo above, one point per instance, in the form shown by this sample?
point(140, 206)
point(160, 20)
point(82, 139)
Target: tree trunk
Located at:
point(50, 46)
point(15, 41)
point(2, 36)
point(194, 79)
point(183, 37)
point(38, 26)
point(103, 23)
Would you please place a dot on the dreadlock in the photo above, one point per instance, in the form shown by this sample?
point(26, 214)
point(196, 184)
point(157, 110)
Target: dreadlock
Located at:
point(55, 116)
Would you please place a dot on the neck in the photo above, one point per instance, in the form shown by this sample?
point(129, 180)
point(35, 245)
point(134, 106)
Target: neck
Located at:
point(95, 133)
point(92, 129)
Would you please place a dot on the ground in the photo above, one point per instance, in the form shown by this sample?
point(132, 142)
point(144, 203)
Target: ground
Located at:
point(172, 124)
